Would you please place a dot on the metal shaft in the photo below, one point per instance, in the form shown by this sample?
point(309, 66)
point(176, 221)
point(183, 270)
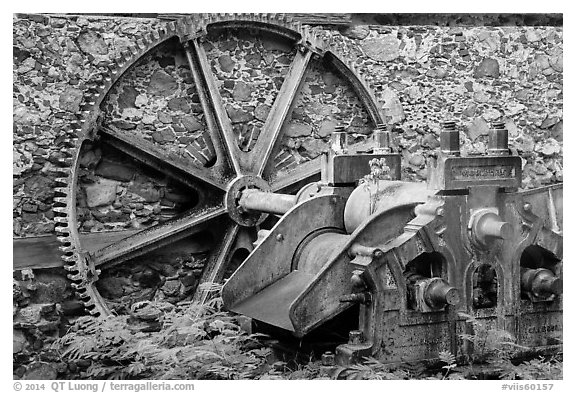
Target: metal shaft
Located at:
point(266, 202)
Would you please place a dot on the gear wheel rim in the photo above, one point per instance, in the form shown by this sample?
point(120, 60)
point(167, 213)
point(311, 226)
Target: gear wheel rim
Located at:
point(78, 263)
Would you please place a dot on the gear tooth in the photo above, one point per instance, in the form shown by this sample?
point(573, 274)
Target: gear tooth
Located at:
point(62, 229)
point(66, 249)
point(59, 171)
point(60, 210)
point(60, 200)
point(61, 220)
point(64, 161)
point(62, 181)
point(76, 286)
point(70, 260)
point(75, 277)
point(64, 240)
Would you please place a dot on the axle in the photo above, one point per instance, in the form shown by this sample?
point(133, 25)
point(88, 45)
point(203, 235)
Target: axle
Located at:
point(266, 202)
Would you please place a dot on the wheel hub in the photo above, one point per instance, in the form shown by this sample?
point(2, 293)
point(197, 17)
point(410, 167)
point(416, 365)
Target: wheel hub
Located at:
point(233, 194)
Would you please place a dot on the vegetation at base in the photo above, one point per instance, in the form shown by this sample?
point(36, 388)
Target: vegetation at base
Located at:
point(205, 342)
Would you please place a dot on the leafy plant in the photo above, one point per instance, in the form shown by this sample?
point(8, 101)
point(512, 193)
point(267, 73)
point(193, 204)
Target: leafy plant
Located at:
point(379, 170)
point(372, 368)
point(194, 342)
point(450, 360)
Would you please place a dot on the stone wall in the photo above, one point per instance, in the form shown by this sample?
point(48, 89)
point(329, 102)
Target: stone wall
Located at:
point(422, 74)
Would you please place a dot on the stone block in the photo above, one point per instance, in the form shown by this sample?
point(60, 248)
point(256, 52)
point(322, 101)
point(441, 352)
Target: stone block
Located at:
point(101, 193)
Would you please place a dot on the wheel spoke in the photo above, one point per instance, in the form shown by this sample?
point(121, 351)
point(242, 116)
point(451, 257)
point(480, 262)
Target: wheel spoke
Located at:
point(216, 265)
point(302, 172)
point(218, 122)
point(279, 112)
point(168, 163)
point(157, 236)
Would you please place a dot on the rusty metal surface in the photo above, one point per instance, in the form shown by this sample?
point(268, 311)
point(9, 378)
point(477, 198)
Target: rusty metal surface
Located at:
point(421, 258)
point(454, 173)
point(349, 168)
point(381, 195)
point(42, 252)
point(267, 202)
point(272, 259)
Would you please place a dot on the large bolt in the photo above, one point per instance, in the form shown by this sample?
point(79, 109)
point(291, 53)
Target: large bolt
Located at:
point(498, 139)
point(541, 282)
point(487, 226)
point(382, 140)
point(338, 140)
point(328, 359)
point(356, 280)
point(439, 293)
point(450, 139)
point(355, 337)
point(492, 226)
point(362, 298)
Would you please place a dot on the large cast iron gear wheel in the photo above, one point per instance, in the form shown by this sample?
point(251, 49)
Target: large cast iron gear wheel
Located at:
point(223, 157)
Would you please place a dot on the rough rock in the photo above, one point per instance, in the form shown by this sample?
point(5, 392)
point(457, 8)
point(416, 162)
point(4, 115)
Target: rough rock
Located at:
point(238, 115)
point(74, 64)
point(179, 104)
point(242, 92)
point(141, 100)
point(358, 32)
point(477, 127)
point(191, 123)
point(92, 43)
point(162, 84)
point(383, 48)
point(557, 132)
point(90, 158)
point(326, 128)
point(40, 371)
point(488, 67)
point(27, 65)
point(392, 105)
point(298, 129)
point(70, 99)
point(127, 99)
point(101, 193)
point(146, 190)
point(524, 143)
point(163, 136)
point(556, 62)
point(430, 141)
point(26, 116)
point(226, 63)
point(313, 147)
point(19, 342)
point(549, 147)
point(171, 288)
point(115, 171)
point(261, 112)
point(532, 35)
